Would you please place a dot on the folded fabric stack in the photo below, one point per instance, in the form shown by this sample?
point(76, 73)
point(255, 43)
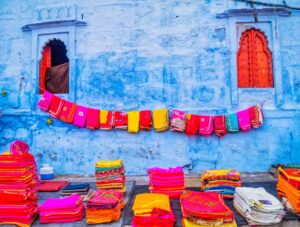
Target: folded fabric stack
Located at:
point(201, 209)
point(178, 121)
point(81, 189)
point(288, 187)
point(105, 206)
point(166, 181)
point(66, 209)
point(18, 194)
point(222, 181)
point(151, 209)
point(110, 175)
point(160, 119)
point(145, 120)
point(258, 206)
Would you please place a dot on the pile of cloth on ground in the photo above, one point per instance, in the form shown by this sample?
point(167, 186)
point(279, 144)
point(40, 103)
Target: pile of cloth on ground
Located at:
point(288, 188)
point(105, 206)
point(258, 206)
point(110, 175)
point(18, 182)
point(62, 210)
point(205, 209)
point(152, 209)
point(168, 181)
point(222, 181)
point(82, 189)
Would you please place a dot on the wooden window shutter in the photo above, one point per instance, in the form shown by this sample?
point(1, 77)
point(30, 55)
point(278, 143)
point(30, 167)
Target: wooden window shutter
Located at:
point(44, 64)
point(254, 61)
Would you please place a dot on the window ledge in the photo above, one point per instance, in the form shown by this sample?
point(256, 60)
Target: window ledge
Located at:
point(257, 89)
point(250, 12)
point(30, 27)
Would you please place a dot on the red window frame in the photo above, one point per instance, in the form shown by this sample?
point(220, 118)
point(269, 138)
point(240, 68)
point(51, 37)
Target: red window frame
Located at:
point(44, 64)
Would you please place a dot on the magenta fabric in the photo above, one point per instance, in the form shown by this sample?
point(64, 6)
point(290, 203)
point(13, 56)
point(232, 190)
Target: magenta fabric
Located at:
point(61, 203)
point(19, 147)
point(80, 116)
point(45, 101)
point(244, 120)
point(206, 125)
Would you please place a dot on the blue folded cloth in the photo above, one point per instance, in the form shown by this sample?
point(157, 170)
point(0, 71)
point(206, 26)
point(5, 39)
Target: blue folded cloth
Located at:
point(76, 186)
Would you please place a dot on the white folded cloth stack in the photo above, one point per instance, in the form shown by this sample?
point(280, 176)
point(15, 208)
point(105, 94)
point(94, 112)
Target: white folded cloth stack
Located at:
point(258, 206)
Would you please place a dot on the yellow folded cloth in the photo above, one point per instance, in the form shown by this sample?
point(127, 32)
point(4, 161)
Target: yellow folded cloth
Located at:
point(160, 119)
point(103, 116)
point(133, 121)
point(109, 163)
point(187, 223)
point(146, 202)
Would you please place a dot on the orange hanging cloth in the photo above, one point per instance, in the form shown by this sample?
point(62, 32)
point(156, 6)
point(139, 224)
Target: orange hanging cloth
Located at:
point(68, 112)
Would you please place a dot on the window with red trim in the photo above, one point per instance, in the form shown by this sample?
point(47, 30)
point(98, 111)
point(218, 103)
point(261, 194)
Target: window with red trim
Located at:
point(54, 68)
point(254, 61)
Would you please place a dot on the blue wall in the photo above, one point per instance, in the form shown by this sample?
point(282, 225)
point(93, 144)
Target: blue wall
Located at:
point(145, 55)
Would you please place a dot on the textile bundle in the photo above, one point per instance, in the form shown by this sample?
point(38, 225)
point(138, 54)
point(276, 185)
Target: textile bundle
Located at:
point(106, 120)
point(160, 119)
point(151, 209)
point(120, 120)
point(178, 121)
point(104, 207)
point(81, 189)
point(205, 209)
point(133, 121)
point(258, 206)
point(110, 175)
point(66, 209)
point(220, 125)
point(18, 182)
point(222, 181)
point(288, 187)
point(166, 181)
point(192, 124)
point(256, 116)
point(206, 125)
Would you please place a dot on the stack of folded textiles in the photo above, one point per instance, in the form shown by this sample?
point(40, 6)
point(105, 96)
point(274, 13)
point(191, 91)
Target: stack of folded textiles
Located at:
point(151, 209)
point(66, 209)
point(222, 181)
point(205, 209)
point(258, 206)
point(18, 194)
point(166, 181)
point(81, 189)
point(110, 175)
point(105, 206)
point(288, 187)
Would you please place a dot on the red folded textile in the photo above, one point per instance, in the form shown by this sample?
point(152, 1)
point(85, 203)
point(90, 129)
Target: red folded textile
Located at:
point(120, 120)
point(256, 116)
point(220, 125)
point(68, 112)
point(192, 124)
point(108, 125)
point(51, 186)
point(56, 106)
point(145, 120)
point(93, 121)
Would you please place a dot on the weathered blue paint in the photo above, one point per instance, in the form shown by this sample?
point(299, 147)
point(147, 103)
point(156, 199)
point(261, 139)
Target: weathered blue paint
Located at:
point(144, 55)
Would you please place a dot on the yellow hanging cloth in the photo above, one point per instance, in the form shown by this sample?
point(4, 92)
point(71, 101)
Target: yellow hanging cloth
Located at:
point(103, 116)
point(133, 121)
point(160, 119)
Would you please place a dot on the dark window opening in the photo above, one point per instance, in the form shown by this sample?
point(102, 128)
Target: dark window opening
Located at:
point(54, 68)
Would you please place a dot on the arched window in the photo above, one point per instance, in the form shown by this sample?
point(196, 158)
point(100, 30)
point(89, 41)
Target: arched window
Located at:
point(254, 61)
point(54, 68)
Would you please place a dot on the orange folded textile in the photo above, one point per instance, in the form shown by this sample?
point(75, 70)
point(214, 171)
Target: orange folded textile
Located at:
point(106, 120)
point(145, 120)
point(56, 106)
point(68, 112)
point(92, 120)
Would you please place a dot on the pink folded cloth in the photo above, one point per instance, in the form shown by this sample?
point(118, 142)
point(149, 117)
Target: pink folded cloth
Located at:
point(80, 116)
point(163, 172)
point(206, 125)
point(71, 201)
point(19, 147)
point(45, 101)
point(244, 120)
point(178, 121)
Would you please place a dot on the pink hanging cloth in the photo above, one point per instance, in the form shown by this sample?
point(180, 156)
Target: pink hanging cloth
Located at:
point(206, 125)
point(244, 120)
point(80, 116)
point(92, 120)
point(45, 101)
point(178, 121)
